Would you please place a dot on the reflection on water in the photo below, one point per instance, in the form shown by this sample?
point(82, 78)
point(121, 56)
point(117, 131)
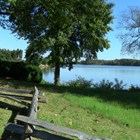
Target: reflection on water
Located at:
point(128, 74)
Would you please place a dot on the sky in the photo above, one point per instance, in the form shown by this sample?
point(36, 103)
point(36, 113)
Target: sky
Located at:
point(10, 41)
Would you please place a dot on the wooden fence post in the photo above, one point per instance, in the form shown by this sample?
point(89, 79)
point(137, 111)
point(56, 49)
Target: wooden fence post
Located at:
point(32, 113)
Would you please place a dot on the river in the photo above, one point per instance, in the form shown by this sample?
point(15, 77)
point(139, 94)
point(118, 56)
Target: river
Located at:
point(128, 74)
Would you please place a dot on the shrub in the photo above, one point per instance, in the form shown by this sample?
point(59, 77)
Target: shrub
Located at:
point(118, 85)
point(20, 71)
point(34, 73)
point(134, 88)
point(5, 68)
point(80, 82)
point(104, 84)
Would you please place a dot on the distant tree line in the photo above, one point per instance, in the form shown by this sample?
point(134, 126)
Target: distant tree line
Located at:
point(11, 55)
point(120, 62)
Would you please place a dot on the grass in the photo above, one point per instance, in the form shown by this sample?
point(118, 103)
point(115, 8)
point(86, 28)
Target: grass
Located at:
point(127, 116)
point(92, 116)
point(101, 113)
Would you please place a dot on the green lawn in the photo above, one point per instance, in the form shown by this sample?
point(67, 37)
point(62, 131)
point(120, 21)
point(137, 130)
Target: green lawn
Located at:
point(92, 116)
point(101, 113)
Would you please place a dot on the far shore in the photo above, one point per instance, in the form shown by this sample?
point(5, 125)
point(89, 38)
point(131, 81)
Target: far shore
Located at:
point(44, 66)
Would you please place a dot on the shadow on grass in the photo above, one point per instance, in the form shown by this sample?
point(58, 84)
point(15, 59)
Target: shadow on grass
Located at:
point(125, 98)
point(130, 99)
point(5, 135)
point(15, 110)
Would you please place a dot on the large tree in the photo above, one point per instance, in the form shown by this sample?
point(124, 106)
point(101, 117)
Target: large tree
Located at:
point(129, 24)
point(68, 29)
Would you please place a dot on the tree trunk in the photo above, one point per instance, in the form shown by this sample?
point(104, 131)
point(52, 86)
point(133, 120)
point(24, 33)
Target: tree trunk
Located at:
point(57, 74)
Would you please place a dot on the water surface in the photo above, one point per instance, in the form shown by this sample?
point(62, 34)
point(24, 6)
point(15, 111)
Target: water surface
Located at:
point(128, 74)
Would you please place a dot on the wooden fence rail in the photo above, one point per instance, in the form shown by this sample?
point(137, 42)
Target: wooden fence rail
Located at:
point(27, 130)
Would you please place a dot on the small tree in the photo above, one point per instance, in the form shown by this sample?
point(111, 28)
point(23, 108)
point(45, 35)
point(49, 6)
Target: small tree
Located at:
point(130, 34)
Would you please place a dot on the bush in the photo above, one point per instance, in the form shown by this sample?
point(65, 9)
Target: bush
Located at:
point(33, 73)
point(118, 85)
point(20, 71)
point(104, 84)
point(80, 82)
point(134, 88)
point(5, 68)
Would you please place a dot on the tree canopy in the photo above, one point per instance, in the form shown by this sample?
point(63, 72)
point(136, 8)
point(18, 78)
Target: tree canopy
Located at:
point(68, 29)
point(130, 30)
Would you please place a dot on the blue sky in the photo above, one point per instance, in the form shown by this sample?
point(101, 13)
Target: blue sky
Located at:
point(9, 41)
point(114, 52)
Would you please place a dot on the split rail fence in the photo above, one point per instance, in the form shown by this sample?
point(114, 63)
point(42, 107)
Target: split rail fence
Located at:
point(24, 126)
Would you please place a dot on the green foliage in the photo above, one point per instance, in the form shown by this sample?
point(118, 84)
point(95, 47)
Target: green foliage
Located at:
point(45, 61)
point(104, 84)
point(119, 85)
point(7, 55)
point(80, 82)
point(34, 73)
point(5, 68)
point(134, 88)
point(20, 71)
point(32, 55)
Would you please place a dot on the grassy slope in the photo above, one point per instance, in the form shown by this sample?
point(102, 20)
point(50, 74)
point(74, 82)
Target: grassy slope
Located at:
point(112, 115)
point(92, 116)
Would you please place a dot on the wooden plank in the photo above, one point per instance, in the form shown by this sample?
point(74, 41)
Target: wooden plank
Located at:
point(15, 128)
point(32, 113)
point(17, 96)
point(18, 91)
point(19, 129)
point(42, 100)
point(28, 98)
point(17, 100)
point(55, 128)
point(34, 104)
point(47, 136)
point(10, 107)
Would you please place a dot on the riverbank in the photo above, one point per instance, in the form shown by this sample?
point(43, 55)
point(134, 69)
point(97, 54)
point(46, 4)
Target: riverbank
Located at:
point(105, 113)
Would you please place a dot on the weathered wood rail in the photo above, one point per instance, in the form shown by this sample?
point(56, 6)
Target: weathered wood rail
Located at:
point(27, 129)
